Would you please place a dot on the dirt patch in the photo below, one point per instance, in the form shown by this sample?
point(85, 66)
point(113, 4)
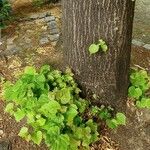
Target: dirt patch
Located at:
point(141, 57)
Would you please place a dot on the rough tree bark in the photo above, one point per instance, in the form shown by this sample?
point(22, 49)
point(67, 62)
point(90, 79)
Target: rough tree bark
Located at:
point(84, 23)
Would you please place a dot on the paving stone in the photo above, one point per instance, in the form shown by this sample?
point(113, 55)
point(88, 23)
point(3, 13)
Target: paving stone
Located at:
point(1, 132)
point(27, 40)
point(52, 25)
point(49, 18)
point(54, 37)
point(44, 40)
point(54, 31)
point(38, 15)
point(42, 15)
point(137, 43)
point(48, 14)
point(12, 48)
point(147, 46)
point(41, 20)
point(34, 16)
point(5, 145)
point(11, 40)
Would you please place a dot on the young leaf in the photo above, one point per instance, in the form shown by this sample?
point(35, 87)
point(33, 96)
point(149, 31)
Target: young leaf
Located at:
point(111, 123)
point(19, 114)
point(70, 114)
point(93, 48)
point(37, 137)
point(30, 70)
point(135, 92)
point(41, 121)
point(23, 132)
point(61, 143)
point(104, 48)
point(143, 103)
point(45, 69)
point(121, 118)
point(9, 108)
point(64, 95)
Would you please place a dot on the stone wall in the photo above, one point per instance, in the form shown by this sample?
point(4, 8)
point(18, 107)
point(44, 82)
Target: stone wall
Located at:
point(142, 11)
point(142, 21)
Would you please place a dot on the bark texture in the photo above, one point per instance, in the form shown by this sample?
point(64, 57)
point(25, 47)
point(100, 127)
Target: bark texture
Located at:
point(87, 21)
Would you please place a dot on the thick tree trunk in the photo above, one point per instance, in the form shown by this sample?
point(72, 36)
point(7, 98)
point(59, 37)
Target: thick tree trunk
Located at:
point(87, 21)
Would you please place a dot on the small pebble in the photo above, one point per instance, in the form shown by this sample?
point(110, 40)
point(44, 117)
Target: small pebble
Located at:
point(52, 25)
point(147, 46)
point(49, 18)
point(54, 37)
point(137, 43)
point(54, 31)
point(44, 40)
point(1, 132)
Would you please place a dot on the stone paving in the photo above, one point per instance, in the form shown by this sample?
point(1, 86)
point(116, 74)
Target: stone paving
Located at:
point(141, 28)
point(30, 32)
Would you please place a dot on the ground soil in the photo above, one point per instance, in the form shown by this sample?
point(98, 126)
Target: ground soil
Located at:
point(138, 126)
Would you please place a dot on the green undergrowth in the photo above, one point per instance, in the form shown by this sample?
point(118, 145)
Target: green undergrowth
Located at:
point(139, 88)
point(5, 10)
point(39, 3)
point(49, 103)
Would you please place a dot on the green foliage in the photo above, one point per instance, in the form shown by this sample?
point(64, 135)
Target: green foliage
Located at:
point(5, 9)
point(139, 87)
point(38, 3)
point(100, 46)
point(41, 2)
point(49, 101)
point(106, 114)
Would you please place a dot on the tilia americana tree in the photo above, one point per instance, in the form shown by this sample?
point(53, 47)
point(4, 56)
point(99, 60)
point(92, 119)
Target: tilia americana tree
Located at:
point(104, 75)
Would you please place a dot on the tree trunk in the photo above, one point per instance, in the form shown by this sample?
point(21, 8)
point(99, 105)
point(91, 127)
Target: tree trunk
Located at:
point(103, 74)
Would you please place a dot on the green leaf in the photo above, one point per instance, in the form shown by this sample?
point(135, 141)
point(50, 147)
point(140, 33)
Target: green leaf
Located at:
point(93, 126)
point(41, 121)
point(30, 117)
point(82, 105)
point(70, 114)
point(19, 114)
point(139, 79)
point(37, 137)
point(86, 137)
point(93, 48)
point(112, 123)
point(74, 144)
point(9, 108)
point(104, 48)
point(23, 132)
point(94, 110)
point(45, 69)
point(121, 118)
point(143, 103)
point(135, 92)
point(52, 129)
point(102, 42)
point(103, 45)
point(64, 95)
point(61, 143)
point(50, 108)
point(40, 78)
point(44, 99)
point(30, 70)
